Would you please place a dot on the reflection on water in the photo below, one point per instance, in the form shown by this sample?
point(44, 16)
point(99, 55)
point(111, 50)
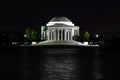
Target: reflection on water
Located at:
point(98, 65)
point(60, 67)
point(62, 64)
point(51, 63)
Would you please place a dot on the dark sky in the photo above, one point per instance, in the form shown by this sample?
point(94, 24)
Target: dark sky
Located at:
point(95, 17)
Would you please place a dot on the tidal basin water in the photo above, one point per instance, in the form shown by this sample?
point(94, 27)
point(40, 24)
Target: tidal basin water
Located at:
point(52, 63)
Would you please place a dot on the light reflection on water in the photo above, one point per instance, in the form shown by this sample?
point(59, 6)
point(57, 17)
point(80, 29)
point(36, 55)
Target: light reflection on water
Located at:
point(98, 65)
point(64, 64)
point(60, 68)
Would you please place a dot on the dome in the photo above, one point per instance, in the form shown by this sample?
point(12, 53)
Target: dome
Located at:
point(60, 19)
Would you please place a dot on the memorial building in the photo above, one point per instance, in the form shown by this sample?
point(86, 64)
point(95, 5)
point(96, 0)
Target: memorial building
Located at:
point(61, 29)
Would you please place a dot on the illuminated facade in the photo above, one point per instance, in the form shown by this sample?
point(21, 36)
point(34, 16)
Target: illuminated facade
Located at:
point(61, 28)
point(43, 33)
point(61, 31)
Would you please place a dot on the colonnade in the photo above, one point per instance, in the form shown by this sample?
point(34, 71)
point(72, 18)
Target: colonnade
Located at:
point(60, 34)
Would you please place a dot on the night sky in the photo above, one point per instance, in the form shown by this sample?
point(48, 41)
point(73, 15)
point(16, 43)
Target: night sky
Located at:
point(94, 17)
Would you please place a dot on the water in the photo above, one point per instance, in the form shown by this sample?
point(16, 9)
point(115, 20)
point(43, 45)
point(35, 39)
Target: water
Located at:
point(53, 63)
point(60, 65)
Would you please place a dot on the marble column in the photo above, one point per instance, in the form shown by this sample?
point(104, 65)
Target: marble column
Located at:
point(58, 34)
point(61, 34)
point(65, 34)
point(68, 35)
point(54, 34)
point(48, 35)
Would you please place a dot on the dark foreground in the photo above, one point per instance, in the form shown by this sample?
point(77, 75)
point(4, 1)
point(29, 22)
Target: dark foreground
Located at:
point(59, 63)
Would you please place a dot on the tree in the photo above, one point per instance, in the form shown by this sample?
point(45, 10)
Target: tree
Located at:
point(32, 34)
point(86, 36)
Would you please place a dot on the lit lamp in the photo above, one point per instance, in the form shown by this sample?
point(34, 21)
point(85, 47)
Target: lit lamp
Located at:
point(25, 35)
point(85, 43)
point(96, 35)
point(34, 43)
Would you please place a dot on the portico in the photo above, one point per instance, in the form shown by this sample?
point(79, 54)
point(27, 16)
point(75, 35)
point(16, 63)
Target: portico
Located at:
point(61, 31)
point(61, 28)
point(60, 34)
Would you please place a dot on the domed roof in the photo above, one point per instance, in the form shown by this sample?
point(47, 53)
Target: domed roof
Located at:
point(60, 19)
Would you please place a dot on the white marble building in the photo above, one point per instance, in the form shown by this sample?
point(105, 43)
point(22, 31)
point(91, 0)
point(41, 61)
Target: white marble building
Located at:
point(61, 29)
